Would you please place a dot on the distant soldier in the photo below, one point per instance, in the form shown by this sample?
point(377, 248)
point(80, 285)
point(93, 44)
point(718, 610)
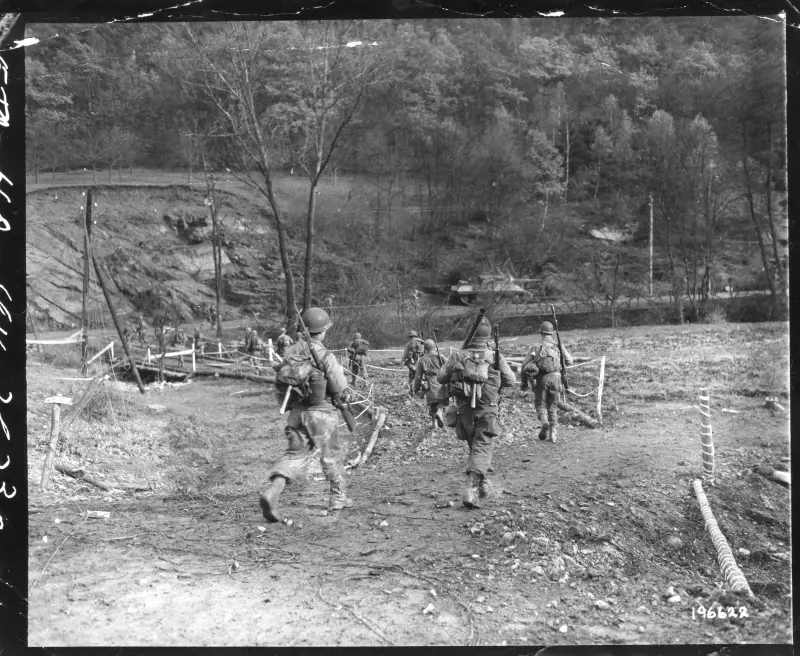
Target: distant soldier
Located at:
point(411, 355)
point(210, 313)
point(135, 328)
point(251, 344)
point(313, 422)
point(283, 342)
point(141, 328)
point(476, 385)
point(357, 355)
point(199, 342)
point(543, 365)
point(425, 380)
point(179, 341)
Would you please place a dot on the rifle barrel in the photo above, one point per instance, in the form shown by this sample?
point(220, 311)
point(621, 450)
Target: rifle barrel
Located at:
point(473, 330)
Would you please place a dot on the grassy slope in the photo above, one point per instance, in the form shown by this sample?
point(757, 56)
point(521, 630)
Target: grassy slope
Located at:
point(345, 220)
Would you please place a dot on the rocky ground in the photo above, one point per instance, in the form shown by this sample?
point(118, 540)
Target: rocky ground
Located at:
point(597, 539)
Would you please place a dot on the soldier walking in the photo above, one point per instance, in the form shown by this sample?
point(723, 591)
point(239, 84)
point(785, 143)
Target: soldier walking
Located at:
point(179, 341)
point(476, 383)
point(357, 354)
point(411, 355)
point(543, 366)
point(282, 342)
point(199, 342)
point(425, 379)
point(313, 422)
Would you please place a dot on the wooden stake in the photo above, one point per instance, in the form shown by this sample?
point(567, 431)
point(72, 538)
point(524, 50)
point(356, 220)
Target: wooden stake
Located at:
point(103, 286)
point(374, 437)
point(55, 425)
point(600, 389)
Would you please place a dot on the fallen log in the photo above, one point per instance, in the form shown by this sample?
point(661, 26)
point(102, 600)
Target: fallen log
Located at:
point(733, 575)
point(231, 374)
point(585, 419)
point(374, 437)
point(782, 477)
point(80, 475)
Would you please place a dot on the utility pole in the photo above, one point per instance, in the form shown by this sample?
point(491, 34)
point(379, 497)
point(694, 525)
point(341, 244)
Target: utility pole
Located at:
point(101, 280)
point(87, 233)
point(651, 245)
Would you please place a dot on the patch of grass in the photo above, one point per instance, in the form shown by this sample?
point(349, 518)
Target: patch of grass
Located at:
point(191, 443)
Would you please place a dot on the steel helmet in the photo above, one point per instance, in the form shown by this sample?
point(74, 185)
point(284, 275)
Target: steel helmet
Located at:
point(546, 328)
point(357, 336)
point(413, 333)
point(484, 330)
point(430, 346)
point(316, 320)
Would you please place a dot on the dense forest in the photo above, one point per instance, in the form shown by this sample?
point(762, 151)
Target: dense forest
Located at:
point(510, 120)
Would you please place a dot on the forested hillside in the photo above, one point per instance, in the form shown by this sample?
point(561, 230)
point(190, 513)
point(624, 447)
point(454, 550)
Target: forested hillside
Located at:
point(538, 132)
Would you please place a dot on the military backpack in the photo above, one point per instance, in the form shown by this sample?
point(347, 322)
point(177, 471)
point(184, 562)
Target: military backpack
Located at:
point(298, 371)
point(548, 359)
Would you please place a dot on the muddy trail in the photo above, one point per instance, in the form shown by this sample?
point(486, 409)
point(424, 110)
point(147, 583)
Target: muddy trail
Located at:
point(576, 545)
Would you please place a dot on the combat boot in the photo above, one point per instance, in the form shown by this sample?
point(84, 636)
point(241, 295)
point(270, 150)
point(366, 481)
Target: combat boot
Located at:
point(470, 499)
point(552, 434)
point(268, 499)
point(484, 488)
point(544, 431)
point(338, 499)
point(438, 418)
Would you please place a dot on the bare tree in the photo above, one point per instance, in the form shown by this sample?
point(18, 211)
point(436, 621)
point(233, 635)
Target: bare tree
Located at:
point(237, 62)
point(216, 242)
point(161, 312)
point(336, 63)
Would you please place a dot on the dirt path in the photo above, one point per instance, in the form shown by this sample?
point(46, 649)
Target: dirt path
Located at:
point(575, 535)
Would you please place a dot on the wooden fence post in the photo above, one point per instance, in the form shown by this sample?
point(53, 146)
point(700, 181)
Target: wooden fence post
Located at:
point(706, 436)
point(57, 401)
point(600, 389)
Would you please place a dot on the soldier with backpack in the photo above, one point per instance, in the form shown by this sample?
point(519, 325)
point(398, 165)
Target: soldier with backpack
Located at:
point(543, 365)
point(313, 420)
point(357, 356)
point(411, 355)
point(179, 342)
point(425, 379)
point(283, 342)
point(475, 382)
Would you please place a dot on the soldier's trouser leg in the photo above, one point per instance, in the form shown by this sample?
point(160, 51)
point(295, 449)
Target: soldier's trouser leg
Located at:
point(552, 392)
point(541, 409)
point(478, 432)
point(299, 447)
point(323, 426)
point(411, 375)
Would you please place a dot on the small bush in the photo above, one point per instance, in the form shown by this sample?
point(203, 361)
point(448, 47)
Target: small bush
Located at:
point(716, 314)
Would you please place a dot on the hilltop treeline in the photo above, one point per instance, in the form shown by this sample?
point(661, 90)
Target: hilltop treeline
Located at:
point(506, 119)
